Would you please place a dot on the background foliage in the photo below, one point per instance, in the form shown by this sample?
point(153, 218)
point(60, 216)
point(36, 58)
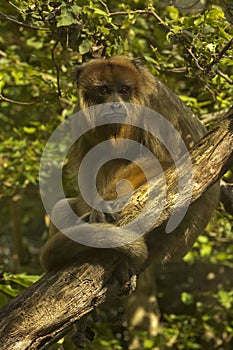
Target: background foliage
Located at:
point(186, 44)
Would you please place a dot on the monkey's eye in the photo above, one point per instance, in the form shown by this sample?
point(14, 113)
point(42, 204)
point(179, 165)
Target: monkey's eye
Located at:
point(103, 90)
point(125, 90)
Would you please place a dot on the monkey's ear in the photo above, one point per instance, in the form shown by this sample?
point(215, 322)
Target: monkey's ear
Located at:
point(77, 72)
point(137, 62)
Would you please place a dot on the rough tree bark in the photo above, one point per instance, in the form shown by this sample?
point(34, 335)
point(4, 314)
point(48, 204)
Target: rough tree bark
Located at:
point(53, 304)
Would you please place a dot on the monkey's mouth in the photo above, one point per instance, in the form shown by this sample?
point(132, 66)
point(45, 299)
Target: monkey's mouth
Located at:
point(114, 117)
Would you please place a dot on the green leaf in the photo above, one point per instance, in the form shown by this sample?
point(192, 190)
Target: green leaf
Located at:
point(173, 12)
point(29, 130)
point(186, 298)
point(100, 12)
point(203, 239)
point(148, 344)
point(34, 43)
point(200, 307)
point(68, 15)
point(7, 289)
point(22, 279)
point(205, 250)
point(225, 298)
point(85, 46)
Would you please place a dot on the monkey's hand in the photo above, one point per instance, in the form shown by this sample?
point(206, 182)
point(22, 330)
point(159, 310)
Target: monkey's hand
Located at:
point(104, 214)
point(108, 210)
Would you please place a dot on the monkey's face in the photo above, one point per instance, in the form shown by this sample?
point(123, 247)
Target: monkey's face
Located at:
point(108, 85)
point(117, 79)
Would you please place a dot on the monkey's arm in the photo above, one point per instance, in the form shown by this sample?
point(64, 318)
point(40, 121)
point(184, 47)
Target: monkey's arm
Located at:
point(63, 248)
point(60, 250)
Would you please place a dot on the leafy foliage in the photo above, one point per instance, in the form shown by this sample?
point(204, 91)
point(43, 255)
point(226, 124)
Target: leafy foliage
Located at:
point(12, 285)
point(189, 47)
point(36, 63)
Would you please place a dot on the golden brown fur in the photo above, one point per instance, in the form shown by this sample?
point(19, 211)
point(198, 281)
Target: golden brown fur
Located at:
point(121, 80)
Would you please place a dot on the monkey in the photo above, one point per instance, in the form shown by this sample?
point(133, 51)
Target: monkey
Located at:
point(112, 84)
point(117, 81)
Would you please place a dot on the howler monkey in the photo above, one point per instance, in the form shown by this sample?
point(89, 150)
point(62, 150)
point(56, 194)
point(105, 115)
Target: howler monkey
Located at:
point(119, 81)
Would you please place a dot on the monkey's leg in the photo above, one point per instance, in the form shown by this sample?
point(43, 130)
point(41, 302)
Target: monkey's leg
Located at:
point(83, 332)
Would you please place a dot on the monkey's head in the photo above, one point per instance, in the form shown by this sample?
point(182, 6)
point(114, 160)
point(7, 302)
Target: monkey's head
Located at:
point(116, 79)
point(108, 84)
point(112, 95)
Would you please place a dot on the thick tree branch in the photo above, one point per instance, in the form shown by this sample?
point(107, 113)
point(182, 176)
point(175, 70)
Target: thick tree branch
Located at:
point(59, 299)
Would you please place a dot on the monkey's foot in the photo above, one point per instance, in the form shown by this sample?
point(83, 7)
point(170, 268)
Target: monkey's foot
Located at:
point(130, 285)
point(83, 333)
point(79, 338)
point(126, 277)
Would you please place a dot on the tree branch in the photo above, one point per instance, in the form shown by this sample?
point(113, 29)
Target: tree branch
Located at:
point(13, 20)
point(59, 299)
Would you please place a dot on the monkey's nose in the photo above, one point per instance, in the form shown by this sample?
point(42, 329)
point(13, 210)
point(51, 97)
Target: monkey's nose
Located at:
point(118, 107)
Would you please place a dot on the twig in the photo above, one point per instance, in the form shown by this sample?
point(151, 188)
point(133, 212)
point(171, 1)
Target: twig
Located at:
point(57, 68)
point(147, 11)
point(105, 6)
point(11, 19)
point(16, 7)
point(224, 76)
point(211, 117)
point(222, 52)
point(3, 98)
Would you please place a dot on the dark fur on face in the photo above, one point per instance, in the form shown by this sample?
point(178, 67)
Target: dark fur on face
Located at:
point(116, 79)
